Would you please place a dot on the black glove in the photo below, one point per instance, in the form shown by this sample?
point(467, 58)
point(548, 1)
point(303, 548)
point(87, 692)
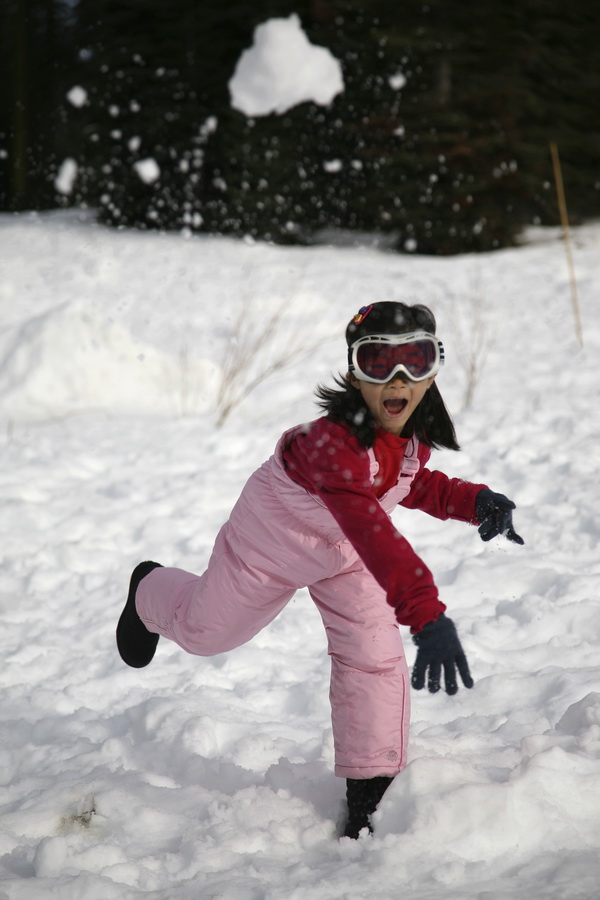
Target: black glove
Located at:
point(494, 511)
point(438, 645)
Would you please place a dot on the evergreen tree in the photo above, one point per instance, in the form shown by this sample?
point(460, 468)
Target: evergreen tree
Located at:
point(35, 60)
point(441, 135)
point(408, 149)
point(142, 123)
point(159, 92)
point(439, 141)
point(560, 86)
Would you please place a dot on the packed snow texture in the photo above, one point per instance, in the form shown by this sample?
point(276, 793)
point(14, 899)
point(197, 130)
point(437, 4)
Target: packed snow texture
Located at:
point(283, 69)
point(213, 778)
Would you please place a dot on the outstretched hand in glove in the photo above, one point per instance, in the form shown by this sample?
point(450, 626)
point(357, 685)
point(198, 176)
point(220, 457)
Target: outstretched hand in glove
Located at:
point(440, 649)
point(494, 512)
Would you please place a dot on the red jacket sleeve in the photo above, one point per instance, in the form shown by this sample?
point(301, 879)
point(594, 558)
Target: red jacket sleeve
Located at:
point(327, 460)
point(441, 496)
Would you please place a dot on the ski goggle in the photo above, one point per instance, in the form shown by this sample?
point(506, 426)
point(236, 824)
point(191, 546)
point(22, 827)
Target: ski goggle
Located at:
point(378, 357)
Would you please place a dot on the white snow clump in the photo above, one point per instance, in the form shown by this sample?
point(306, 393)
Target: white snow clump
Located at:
point(283, 69)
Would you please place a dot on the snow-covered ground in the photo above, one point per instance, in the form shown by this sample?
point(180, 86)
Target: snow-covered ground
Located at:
point(213, 778)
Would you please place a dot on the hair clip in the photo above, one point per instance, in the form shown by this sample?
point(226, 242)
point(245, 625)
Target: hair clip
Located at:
point(362, 314)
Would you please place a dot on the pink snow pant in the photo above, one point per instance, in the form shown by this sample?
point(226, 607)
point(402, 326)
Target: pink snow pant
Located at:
point(278, 539)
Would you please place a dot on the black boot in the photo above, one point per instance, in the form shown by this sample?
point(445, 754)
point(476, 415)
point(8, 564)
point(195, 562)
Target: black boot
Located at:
point(363, 797)
point(135, 643)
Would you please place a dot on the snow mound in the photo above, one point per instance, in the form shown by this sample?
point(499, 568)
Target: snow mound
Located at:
point(72, 359)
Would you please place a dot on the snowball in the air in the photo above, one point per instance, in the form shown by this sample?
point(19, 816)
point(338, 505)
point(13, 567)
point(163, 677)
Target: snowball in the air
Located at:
point(282, 69)
point(66, 176)
point(147, 169)
point(397, 81)
point(77, 96)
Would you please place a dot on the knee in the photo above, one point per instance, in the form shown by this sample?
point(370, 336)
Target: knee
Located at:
point(377, 649)
point(208, 643)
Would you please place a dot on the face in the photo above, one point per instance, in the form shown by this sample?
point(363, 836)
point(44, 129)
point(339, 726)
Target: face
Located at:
point(392, 404)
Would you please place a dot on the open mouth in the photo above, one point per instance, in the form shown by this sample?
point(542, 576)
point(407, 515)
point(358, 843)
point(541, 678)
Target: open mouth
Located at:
point(395, 406)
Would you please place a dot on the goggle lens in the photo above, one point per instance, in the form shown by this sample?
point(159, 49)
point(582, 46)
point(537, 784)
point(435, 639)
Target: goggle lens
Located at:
point(378, 361)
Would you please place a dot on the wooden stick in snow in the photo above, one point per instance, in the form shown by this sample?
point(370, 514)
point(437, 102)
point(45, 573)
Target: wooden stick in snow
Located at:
point(564, 218)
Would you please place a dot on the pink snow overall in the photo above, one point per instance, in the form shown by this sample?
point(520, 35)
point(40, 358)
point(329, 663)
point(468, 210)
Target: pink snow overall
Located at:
point(280, 538)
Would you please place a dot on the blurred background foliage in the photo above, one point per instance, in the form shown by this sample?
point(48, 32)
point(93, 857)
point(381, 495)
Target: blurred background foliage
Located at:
point(456, 160)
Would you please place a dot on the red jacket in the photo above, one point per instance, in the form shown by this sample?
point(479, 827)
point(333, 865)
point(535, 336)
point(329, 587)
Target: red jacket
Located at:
point(328, 460)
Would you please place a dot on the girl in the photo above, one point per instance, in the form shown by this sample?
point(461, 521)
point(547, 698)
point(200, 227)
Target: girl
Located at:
point(317, 515)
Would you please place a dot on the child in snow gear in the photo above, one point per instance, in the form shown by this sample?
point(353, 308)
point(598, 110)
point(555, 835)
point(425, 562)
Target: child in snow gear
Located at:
point(317, 515)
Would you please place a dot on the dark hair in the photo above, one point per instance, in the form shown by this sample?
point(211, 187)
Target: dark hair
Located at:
point(430, 423)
